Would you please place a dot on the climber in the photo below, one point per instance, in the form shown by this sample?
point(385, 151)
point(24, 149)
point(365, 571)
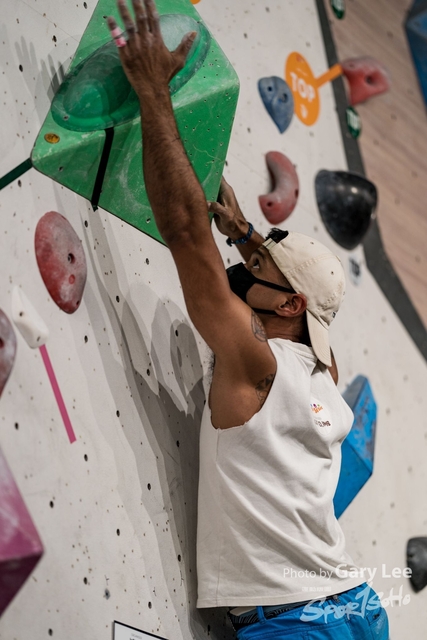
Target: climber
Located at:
point(274, 420)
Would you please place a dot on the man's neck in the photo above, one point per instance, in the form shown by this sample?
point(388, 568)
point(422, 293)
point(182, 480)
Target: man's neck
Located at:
point(278, 328)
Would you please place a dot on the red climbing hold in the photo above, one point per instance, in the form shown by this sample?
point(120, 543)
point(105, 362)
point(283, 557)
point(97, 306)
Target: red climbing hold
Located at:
point(7, 349)
point(61, 260)
point(280, 202)
point(366, 76)
point(20, 545)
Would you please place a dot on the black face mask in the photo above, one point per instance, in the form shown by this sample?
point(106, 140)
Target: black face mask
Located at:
point(241, 280)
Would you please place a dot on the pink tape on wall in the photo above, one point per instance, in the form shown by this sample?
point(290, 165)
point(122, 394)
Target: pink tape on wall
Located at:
point(58, 395)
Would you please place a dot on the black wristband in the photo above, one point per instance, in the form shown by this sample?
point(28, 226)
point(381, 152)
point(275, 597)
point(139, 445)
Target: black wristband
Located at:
point(243, 240)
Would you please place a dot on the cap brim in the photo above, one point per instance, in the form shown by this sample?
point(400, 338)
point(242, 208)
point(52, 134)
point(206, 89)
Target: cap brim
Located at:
point(319, 337)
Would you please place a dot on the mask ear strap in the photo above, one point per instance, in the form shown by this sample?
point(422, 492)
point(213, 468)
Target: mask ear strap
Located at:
point(273, 285)
point(268, 311)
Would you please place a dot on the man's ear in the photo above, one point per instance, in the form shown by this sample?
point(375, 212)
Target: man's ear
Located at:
point(294, 305)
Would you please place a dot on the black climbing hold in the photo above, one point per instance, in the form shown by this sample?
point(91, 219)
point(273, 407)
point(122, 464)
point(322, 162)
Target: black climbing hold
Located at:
point(347, 202)
point(416, 555)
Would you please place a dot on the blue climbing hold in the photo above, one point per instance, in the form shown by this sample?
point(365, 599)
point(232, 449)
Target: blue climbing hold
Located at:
point(278, 100)
point(358, 448)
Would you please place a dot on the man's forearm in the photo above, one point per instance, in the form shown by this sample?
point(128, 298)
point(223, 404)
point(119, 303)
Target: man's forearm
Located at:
point(250, 246)
point(175, 194)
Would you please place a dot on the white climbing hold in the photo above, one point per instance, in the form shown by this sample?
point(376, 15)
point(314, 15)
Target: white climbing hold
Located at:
point(28, 322)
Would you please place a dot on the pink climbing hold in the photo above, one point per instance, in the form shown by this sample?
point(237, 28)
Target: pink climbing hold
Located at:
point(20, 545)
point(366, 77)
point(61, 260)
point(280, 202)
point(7, 349)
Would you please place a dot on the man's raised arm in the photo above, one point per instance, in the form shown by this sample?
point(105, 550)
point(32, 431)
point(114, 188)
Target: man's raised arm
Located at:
point(178, 202)
point(175, 194)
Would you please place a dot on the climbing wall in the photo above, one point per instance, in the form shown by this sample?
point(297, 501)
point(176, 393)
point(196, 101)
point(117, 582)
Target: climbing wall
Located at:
point(115, 509)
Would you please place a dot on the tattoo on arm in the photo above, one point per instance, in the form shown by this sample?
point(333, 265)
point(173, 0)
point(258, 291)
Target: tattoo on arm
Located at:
point(263, 387)
point(258, 328)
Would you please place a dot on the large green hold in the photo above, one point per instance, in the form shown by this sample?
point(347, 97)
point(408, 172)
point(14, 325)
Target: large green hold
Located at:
point(94, 118)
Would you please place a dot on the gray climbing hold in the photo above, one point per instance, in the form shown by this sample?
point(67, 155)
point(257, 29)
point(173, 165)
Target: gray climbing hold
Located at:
point(416, 555)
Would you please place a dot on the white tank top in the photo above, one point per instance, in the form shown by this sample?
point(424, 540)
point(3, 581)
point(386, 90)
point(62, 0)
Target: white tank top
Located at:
point(267, 533)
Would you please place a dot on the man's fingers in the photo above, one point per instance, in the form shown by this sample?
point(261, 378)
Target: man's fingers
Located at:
point(153, 17)
point(225, 189)
point(224, 184)
point(217, 209)
point(181, 52)
point(141, 18)
point(127, 19)
point(116, 33)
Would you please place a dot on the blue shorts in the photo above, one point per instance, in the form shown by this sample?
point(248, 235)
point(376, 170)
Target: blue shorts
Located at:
point(355, 614)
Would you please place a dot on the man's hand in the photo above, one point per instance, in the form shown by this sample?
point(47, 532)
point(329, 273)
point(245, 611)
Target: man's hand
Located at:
point(231, 222)
point(228, 216)
point(146, 60)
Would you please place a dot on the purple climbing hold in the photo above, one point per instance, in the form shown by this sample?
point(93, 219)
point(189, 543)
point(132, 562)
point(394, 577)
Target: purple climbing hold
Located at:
point(7, 349)
point(20, 545)
point(278, 99)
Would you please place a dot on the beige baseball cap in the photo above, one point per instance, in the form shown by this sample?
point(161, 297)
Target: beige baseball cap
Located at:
point(313, 270)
